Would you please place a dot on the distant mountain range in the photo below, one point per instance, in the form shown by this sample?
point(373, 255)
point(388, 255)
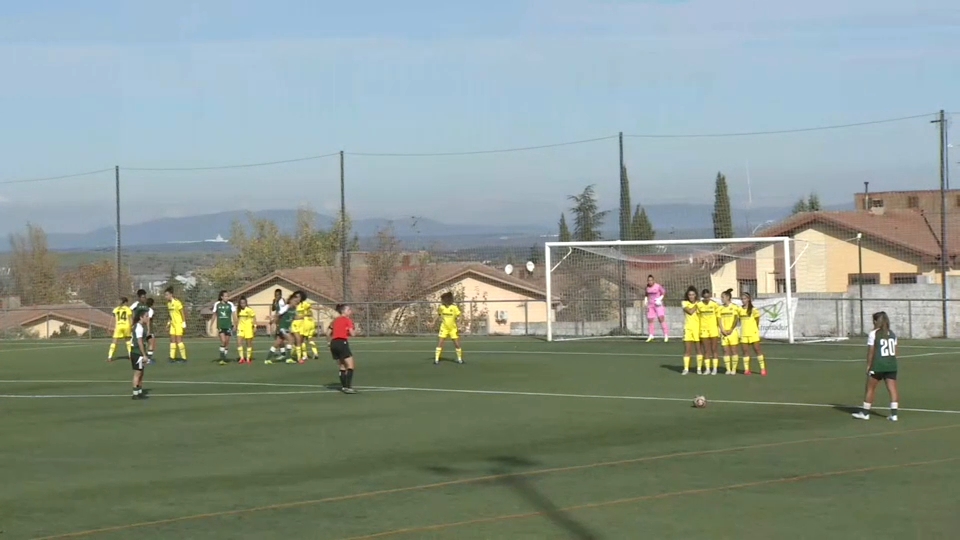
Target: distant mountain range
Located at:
point(206, 232)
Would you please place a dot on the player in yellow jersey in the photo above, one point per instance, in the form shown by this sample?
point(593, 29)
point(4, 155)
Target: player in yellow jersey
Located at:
point(709, 332)
point(177, 325)
point(691, 331)
point(750, 334)
point(122, 327)
point(307, 329)
point(246, 330)
point(729, 333)
point(449, 315)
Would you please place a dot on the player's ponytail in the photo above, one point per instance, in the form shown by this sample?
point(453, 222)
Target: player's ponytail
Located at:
point(882, 322)
point(727, 294)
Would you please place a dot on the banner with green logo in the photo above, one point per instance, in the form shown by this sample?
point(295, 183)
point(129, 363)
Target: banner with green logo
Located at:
point(773, 316)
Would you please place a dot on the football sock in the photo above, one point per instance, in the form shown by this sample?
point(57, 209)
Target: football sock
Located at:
point(686, 363)
point(866, 407)
point(182, 347)
point(349, 378)
point(173, 351)
point(699, 362)
point(113, 349)
point(273, 352)
point(893, 408)
point(313, 348)
point(343, 378)
point(459, 354)
point(240, 353)
point(249, 353)
point(716, 363)
point(129, 348)
point(735, 362)
point(289, 349)
point(763, 365)
point(296, 352)
point(437, 353)
point(726, 362)
point(746, 363)
point(650, 328)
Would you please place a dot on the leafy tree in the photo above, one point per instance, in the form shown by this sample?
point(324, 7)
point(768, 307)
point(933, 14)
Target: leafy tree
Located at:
point(587, 217)
point(96, 283)
point(625, 218)
point(800, 206)
point(640, 226)
point(565, 235)
point(34, 268)
point(722, 216)
point(813, 203)
point(65, 331)
point(261, 248)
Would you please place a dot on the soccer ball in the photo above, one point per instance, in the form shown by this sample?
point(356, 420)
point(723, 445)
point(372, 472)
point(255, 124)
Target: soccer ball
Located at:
point(699, 402)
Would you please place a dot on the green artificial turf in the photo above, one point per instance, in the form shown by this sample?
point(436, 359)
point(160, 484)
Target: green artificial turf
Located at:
point(582, 440)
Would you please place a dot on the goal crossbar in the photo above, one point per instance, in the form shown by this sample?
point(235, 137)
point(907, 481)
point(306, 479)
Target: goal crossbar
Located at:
point(783, 241)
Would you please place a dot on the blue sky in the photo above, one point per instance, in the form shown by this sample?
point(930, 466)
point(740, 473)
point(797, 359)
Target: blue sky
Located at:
point(91, 84)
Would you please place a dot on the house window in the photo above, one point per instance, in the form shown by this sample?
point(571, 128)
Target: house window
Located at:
point(747, 286)
point(958, 201)
point(865, 279)
point(903, 279)
point(782, 285)
point(913, 201)
point(876, 203)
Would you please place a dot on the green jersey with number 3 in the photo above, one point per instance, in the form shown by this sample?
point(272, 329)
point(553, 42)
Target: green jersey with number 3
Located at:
point(287, 318)
point(884, 351)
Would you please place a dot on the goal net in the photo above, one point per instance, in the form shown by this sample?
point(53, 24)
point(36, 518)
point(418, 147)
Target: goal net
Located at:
point(598, 289)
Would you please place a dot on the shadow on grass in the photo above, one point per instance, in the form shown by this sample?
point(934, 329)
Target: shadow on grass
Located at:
point(521, 485)
point(672, 367)
point(850, 410)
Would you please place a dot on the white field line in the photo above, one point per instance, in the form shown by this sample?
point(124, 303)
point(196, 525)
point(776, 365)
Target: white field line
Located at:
point(628, 398)
point(209, 394)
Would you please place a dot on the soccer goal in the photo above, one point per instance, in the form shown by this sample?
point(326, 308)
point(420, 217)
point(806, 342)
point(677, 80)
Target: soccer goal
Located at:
point(598, 289)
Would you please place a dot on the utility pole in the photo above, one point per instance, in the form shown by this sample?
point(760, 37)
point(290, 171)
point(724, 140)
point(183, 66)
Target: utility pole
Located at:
point(624, 227)
point(119, 247)
point(942, 120)
point(344, 264)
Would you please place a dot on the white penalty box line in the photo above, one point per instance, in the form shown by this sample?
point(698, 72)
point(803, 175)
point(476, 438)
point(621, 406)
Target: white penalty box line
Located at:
point(315, 389)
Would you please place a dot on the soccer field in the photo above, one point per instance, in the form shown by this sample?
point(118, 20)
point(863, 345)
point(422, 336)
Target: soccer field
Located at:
point(528, 439)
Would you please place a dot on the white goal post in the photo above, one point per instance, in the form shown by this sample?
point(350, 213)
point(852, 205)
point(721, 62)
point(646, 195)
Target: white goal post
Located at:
point(597, 289)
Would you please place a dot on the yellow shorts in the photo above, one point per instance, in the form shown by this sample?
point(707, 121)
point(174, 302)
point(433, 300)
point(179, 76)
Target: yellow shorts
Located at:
point(691, 334)
point(295, 326)
point(122, 332)
point(749, 340)
point(245, 333)
point(176, 329)
point(308, 328)
point(730, 341)
point(710, 333)
point(449, 333)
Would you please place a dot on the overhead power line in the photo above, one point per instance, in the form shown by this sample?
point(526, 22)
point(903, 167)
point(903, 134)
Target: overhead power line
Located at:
point(61, 177)
point(775, 132)
point(477, 152)
point(238, 166)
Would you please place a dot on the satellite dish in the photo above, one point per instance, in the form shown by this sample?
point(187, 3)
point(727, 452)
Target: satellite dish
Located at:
point(508, 269)
point(530, 266)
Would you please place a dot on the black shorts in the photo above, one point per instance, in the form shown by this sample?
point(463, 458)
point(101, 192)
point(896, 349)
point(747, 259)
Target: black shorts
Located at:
point(884, 375)
point(340, 349)
point(137, 362)
point(225, 331)
point(283, 333)
point(148, 337)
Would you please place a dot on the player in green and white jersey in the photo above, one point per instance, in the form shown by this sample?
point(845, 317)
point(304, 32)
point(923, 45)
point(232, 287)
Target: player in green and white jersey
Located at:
point(283, 319)
point(226, 315)
point(141, 306)
point(881, 365)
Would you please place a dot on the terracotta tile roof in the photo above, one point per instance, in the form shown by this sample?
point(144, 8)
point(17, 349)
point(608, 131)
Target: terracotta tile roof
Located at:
point(79, 314)
point(906, 230)
point(408, 284)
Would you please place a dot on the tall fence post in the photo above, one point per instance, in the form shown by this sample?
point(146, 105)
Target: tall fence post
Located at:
point(116, 176)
